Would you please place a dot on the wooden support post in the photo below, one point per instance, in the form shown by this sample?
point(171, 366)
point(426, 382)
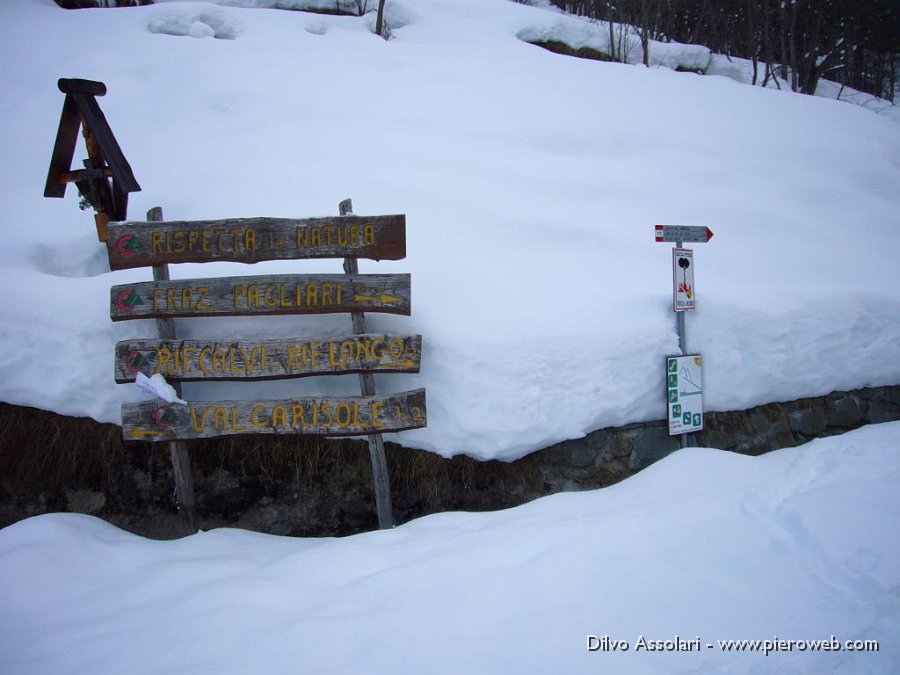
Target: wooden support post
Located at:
point(101, 186)
point(178, 451)
point(380, 477)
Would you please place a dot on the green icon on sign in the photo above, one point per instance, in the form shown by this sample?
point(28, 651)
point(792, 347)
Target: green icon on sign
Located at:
point(673, 365)
point(686, 420)
point(696, 419)
point(676, 411)
point(673, 381)
point(673, 395)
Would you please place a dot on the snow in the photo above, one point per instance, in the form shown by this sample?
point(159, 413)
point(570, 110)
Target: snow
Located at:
point(578, 32)
point(199, 24)
point(799, 544)
point(531, 183)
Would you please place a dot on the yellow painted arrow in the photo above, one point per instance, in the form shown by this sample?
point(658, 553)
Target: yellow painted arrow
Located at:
point(358, 297)
point(384, 297)
point(388, 299)
point(140, 433)
point(405, 363)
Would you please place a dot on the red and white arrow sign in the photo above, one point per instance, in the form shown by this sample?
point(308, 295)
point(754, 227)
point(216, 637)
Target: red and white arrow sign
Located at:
point(683, 233)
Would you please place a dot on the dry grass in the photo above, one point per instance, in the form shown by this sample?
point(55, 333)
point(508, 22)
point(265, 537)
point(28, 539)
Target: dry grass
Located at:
point(42, 452)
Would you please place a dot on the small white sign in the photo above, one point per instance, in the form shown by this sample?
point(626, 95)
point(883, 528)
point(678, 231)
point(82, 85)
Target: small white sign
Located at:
point(684, 384)
point(684, 294)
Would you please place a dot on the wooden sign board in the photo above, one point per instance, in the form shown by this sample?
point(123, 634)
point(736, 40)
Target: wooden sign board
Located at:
point(187, 360)
point(318, 415)
point(251, 240)
point(262, 295)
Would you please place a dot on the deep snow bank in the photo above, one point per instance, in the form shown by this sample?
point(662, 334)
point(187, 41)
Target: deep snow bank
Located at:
point(799, 544)
point(531, 185)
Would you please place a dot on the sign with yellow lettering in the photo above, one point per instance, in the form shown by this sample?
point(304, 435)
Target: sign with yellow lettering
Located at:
point(184, 360)
point(250, 240)
point(317, 415)
point(260, 295)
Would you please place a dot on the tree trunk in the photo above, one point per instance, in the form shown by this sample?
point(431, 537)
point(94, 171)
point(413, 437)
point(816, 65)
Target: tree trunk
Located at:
point(792, 45)
point(645, 30)
point(612, 37)
point(379, 20)
point(751, 41)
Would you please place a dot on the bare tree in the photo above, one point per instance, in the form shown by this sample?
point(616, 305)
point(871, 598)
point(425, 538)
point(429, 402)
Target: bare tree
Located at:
point(854, 42)
point(645, 33)
point(380, 27)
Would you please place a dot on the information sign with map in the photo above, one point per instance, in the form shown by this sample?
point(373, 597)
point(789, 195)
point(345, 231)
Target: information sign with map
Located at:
point(684, 382)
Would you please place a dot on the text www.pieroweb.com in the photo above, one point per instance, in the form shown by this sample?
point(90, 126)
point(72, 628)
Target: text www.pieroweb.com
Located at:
point(605, 643)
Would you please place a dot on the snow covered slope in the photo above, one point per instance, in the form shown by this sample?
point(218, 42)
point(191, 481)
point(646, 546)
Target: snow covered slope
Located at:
point(795, 552)
point(531, 184)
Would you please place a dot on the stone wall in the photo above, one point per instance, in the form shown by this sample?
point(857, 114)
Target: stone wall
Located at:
point(301, 487)
point(609, 455)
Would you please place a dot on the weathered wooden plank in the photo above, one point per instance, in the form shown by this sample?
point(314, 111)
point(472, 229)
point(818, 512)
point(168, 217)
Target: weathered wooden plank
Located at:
point(250, 240)
point(190, 360)
point(262, 295)
point(380, 478)
point(179, 454)
point(96, 122)
point(80, 175)
point(317, 415)
point(79, 86)
point(63, 149)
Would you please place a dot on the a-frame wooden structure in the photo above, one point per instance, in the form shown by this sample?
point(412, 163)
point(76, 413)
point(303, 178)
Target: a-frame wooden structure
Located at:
point(106, 178)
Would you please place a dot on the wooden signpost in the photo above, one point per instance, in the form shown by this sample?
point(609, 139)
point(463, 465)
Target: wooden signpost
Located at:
point(178, 450)
point(367, 388)
point(257, 295)
point(188, 360)
point(106, 178)
point(105, 182)
point(250, 240)
point(317, 415)
point(156, 243)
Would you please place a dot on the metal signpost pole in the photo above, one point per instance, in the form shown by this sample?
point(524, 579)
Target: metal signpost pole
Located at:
point(679, 234)
point(680, 325)
point(685, 440)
